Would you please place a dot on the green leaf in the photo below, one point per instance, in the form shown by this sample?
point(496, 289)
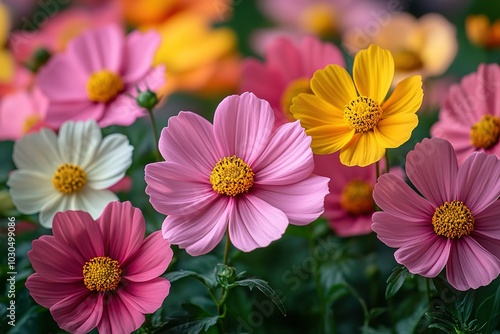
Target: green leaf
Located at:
point(265, 289)
point(177, 275)
point(492, 312)
point(194, 320)
point(395, 281)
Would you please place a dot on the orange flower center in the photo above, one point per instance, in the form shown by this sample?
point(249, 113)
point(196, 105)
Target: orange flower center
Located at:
point(362, 114)
point(30, 122)
point(104, 86)
point(356, 197)
point(407, 61)
point(485, 133)
point(69, 178)
point(231, 176)
point(293, 89)
point(101, 274)
point(453, 220)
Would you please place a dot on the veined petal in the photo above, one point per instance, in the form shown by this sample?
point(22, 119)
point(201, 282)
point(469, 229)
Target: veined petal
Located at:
point(328, 139)
point(78, 141)
point(146, 297)
point(395, 130)
point(406, 98)
point(426, 258)
point(313, 111)
point(397, 232)
point(79, 313)
point(119, 316)
point(373, 72)
point(334, 85)
point(38, 151)
point(362, 150)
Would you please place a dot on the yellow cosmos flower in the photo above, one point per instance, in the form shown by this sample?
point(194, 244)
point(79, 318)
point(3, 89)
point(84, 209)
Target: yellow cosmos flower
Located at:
point(6, 59)
point(354, 117)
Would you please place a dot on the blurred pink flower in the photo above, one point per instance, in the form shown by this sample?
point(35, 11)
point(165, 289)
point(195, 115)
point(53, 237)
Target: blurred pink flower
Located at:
point(23, 79)
point(286, 72)
point(470, 115)
point(237, 175)
point(100, 273)
point(21, 113)
point(96, 74)
point(454, 224)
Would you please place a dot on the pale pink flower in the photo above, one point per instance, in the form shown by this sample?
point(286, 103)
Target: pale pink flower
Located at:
point(236, 175)
point(96, 75)
point(470, 114)
point(455, 223)
point(100, 273)
point(286, 72)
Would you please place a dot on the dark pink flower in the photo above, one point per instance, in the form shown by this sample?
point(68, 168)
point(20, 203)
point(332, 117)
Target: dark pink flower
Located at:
point(455, 224)
point(100, 273)
point(237, 175)
point(96, 75)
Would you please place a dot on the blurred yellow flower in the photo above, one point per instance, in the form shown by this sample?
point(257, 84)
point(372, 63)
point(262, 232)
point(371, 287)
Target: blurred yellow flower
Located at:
point(482, 32)
point(6, 60)
point(424, 46)
point(354, 117)
point(198, 57)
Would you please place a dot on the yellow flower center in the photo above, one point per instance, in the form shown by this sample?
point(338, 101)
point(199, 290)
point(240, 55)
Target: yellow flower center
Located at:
point(293, 89)
point(362, 114)
point(486, 132)
point(103, 86)
point(231, 176)
point(30, 122)
point(406, 60)
point(69, 178)
point(356, 197)
point(453, 220)
point(101, 274)
point(319, 20)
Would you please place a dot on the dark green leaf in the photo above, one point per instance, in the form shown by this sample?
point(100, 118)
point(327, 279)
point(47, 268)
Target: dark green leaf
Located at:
point(265, 289)
point(491, 311)
point(395, 281)
point(177, 275)
point(194, 319)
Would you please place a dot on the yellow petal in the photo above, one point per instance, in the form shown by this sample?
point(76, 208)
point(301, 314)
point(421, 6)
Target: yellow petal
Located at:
point(334, 85)
point(406, 98)
point(373, 72)
point(394, 131)
point(4, 24)
point(6, 66)
point(328, 139)
point(312, 112)
point(362, 150)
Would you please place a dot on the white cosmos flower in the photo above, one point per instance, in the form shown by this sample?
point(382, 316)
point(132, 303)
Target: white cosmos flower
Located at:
point(69, 171)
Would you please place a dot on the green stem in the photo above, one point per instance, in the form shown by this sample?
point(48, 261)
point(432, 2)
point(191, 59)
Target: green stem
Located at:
point(428, 289)
point(221, 307)
point(387, 165)
point(356, 295)
point(155, 134)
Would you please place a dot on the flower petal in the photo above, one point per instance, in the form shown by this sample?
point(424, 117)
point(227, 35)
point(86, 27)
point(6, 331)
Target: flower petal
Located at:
point(334, 85)
point(78, 142)
point(427, 257)
point(432, 168)
point(407, 97)
point(302, 202)
point(119, 316)
point(243, 125)
point(313, 111)
point(362, 150)
point(328, 139)
point(60, 112)
point(37, 151)
point(140, 48)
point(396, 232)
point(201, 232)
point(79, 313)
point(255, 223)
point(486, 222)
point(373, 72)
point(146, 297)
point(470, 265)
point(394, 131)
point(91, 200)
point(47, 293)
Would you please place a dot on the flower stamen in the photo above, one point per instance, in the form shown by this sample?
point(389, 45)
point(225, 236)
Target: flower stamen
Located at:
point(485, 133)
point(231, 176)
point(356, 198)
point(69, 178)
point(362, 114)
point(104, 86)
point(453, 220)
point(101, 274)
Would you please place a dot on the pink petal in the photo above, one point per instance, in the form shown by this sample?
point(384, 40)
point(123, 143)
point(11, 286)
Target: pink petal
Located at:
point(351, 226)
point(123, 110)
point(478, 183)
point(395, 197)
point(15, 109)
point(175, 190)
point(302, 202)
point(255, 223)
point(189, 140)
point(285, 57)
point(317, 55)
point(79, 313)
point(146, 297)
point(123, 228)
point(470, 265)
point(286, 159)
point(47, 293)
point(150, 261)
point(60, 112)
point(432, 167)
point(491, 244)
point(396, 232)
point(199, 233)
point(140, 48)
point(242, 126)
point(427, 257)
point(459, 137)
point(119, 316)
point(487, 222)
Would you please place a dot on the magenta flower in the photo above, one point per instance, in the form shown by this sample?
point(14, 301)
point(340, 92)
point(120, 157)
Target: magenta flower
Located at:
point(470, 115)
point(100, 273)
point(286, 73)
point(455, 224)
point(236, 175)
point(96, 75)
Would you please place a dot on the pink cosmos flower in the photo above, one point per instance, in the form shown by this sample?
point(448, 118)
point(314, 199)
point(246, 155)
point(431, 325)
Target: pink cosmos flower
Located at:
point(470, 115)
point(288, 68)
point(96, 76)
point(100, 273)
point(21, 113)
point(455, 223)
point(237, 175)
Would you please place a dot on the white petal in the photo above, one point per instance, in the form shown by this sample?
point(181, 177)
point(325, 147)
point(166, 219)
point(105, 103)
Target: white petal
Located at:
point(110, 162)
point(93, 201)
point(38, 151)
point(47, 214)
point(78, 142)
